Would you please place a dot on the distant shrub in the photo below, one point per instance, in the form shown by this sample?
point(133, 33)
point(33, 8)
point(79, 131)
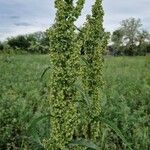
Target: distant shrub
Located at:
point(35, 43)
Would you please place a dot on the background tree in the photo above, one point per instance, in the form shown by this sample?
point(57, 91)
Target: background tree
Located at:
point(129, 38)
point(117, 39)
point(143, 39)
point(130, 28)
point(19, 42)
point(37, 42)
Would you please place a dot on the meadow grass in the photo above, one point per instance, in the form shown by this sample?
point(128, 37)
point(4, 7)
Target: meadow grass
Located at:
point(24, 97)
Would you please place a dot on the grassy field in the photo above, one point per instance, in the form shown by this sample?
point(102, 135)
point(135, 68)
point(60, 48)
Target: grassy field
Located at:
point(23, 98)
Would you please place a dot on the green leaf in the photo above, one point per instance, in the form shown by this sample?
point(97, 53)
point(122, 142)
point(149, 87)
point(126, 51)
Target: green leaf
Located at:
point(33, 131)
point(44, 72)
point(84, 61)
point(85, 96)
point(116, 130)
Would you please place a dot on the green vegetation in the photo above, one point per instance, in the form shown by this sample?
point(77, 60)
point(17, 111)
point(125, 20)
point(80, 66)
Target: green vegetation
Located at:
point(24, 103)
point(69, 102)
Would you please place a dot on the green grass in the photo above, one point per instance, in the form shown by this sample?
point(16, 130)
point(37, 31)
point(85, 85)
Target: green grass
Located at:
point(127, 99)
point(23, 98)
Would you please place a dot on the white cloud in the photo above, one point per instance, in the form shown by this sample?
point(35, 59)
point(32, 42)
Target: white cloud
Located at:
point(39, 15)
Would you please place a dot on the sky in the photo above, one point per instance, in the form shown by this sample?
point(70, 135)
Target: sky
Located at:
point(27, 16)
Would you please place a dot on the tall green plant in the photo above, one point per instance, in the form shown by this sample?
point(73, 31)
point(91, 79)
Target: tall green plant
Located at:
point(64, 61)
point(94, 42)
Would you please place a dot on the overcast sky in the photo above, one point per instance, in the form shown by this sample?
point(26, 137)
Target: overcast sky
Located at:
point(26, 16)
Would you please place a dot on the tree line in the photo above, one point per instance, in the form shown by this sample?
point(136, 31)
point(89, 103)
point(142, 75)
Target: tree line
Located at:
point(33, 43)
point(129, 39)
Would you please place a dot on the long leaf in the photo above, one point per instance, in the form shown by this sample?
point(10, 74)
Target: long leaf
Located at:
point(44, 72)
point(32, 129)
point(116, 130)
point(84, 95)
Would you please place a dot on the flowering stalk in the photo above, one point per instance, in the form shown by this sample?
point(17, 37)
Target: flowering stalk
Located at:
point(94, 42)
point(64, 61)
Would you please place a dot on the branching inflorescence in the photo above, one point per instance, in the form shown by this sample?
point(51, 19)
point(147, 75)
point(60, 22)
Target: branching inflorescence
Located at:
point(70, 121)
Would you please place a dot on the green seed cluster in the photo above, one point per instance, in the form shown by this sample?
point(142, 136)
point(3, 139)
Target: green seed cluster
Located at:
point(94, 41)
point(72, 119)
point(64, 61)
